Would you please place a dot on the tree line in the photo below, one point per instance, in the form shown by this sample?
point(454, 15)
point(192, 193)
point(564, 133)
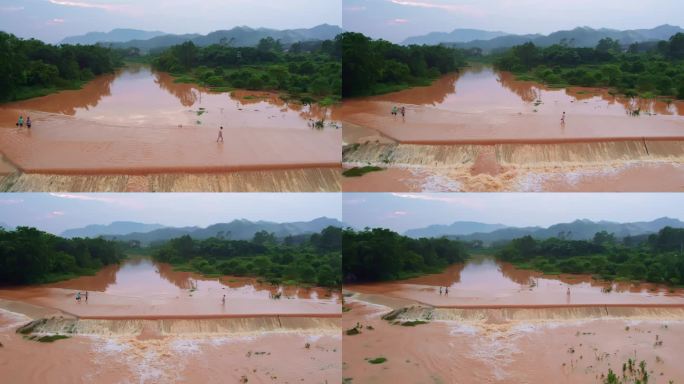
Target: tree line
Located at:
point(378, 66)
point(656, 258)
point(380, 254)
point(30, 68)
point(30, 256)
point(307, 71)
point(646, 69)
point(313, 259)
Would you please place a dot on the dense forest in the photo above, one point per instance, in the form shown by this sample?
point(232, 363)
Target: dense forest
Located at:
point(379, 254)
point(656, 258)
point(30, 68)
point(378, 66)
point(29, 256)
point(303, 260)
point(645, 69)
point(306, 71)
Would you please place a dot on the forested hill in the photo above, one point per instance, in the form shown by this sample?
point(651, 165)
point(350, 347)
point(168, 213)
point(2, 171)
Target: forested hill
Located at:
point(576, 230)
point(236, 37)
point(28, 255)
point(234, 230)
point(578, 37)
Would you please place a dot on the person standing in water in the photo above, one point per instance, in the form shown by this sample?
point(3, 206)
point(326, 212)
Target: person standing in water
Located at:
point(86, 296)
point(28, 122)
point(446, 291)
point(224, 300)
point(403, 111)
point(394, 110)
point(220, 135)
point(78, 296)
point(440, 291)
point(563, 118)
point(20, 122)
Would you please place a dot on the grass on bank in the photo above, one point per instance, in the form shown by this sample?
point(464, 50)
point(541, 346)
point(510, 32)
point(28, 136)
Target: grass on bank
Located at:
point(360, 171)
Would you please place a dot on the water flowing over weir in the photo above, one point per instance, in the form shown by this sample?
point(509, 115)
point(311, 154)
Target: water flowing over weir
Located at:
point(186, 327)
point(535, 314)
point(528, 155)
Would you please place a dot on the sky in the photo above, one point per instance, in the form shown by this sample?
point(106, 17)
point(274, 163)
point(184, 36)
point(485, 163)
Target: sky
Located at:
point(56, 212)
point(395, 20)
point(402, 211)
point(52, 20)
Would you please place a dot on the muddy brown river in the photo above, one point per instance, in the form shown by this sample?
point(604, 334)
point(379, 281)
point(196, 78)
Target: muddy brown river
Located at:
point(482, 130)
point(140, 121)
point(146, 323)
point(500, 324)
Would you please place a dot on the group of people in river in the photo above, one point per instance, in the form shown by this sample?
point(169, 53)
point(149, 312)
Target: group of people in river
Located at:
point(396, 110)
point(80, 296)
point(20, 122)
point(446, 291)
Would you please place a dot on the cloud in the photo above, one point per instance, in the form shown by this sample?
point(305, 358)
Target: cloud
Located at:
point(55, 214)
point(459, 199)
point(11, 201)
point(397, 21)
point(11, 9)
point(355, 8)
point(90, 5)
point(455, 8)
point(76, 196)
point(56, 21)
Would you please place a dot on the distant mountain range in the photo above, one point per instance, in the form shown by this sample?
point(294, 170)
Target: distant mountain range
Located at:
point(576, 230)
point(457, 228)
point(115, 228)
point(456, 36)
point(236, 37)
point(578, 37)
point(118, 35)
point(234, 230)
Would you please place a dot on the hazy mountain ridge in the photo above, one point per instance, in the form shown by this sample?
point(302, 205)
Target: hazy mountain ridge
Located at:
point(459, 35)
point(238, 37)
point(235, 230)
point(117, 35)
point(114, 228)
point(456, 228)
point(578, 37)
point(576, 230)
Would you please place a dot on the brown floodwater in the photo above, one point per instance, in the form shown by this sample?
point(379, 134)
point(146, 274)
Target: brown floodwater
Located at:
point(141, 288)
point(486, 282)
point(140, 120)
point(483, 105)
point(577, 350)
point(629, 166)
point(305, 354)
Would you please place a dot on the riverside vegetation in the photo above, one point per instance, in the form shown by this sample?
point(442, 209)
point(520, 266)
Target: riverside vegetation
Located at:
point(31, 68)
point(645, 69)
point(307, 71)
point(655, 258)
point(380, 254)
point(31, 256)
point(312, 259)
